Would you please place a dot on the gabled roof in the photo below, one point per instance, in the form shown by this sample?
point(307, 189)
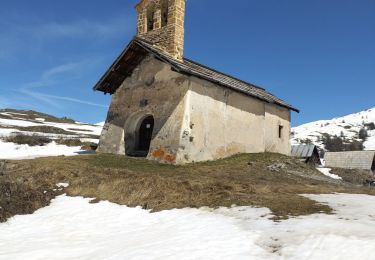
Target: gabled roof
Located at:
point(351, 160)
point(139, 48)
point(303, 150)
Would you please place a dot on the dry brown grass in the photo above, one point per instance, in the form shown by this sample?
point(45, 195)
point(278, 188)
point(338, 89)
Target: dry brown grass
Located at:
point(19, 198)
point(242, 180)
point(75, 142)
point(359, 177)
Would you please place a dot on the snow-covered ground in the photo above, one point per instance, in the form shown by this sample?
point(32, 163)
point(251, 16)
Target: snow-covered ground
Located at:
point(11, 151)
point(100, 124)
point(72, 228)
point(349, 126)
point(327, 172)
point(77, 128)
point(8, 126)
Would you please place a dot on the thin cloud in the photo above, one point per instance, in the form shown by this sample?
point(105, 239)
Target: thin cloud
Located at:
point(79, 28)
point(51, 77)
point(84, 28)
point(28, 39)
point(75, 100)
point(50, 99)
point(40, 97)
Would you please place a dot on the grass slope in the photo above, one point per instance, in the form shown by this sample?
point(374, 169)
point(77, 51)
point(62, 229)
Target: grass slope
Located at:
point(264, 180)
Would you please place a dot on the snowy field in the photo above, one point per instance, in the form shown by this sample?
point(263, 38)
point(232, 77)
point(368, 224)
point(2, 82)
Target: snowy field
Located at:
point(71, 228)
point(348, 125)
point(11, 151)
point(9, 127)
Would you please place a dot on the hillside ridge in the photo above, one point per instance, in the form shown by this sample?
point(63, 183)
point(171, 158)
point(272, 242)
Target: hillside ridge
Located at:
point(347, 127)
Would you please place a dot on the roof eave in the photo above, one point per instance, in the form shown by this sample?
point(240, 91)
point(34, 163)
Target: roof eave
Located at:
point(175, 65)
point(98, 85)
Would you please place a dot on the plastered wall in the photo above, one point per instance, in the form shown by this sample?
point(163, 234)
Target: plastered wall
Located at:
point(195, 120)
point(219, 122)
point(276, 116)
point(153, 89)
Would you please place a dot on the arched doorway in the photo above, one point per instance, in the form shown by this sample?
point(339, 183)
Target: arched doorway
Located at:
point(145, 135)
point(138, 134)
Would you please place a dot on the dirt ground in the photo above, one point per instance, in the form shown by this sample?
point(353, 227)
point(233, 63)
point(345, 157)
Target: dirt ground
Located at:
point(263, 180)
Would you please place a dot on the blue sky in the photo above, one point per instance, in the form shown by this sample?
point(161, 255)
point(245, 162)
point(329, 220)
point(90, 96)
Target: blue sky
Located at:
point(318, 55)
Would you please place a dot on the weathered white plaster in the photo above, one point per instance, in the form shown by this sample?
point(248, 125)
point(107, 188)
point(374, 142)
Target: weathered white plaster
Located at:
point(195, 120)
point(276, 116)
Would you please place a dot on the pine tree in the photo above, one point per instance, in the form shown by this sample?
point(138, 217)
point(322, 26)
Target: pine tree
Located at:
point(363, 134)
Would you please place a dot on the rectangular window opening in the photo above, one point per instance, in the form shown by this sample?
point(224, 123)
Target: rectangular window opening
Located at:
point(150, 21)
point(281, 131)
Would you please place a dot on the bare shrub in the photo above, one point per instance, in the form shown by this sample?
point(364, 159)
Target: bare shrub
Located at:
point(31, 140)
point(69, 142)
point(77, 142)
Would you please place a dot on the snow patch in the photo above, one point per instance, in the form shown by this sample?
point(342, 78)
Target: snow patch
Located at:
point(13, 122)
point(72, 228)
point(327, 172)
point(62, 185)
point(100, 124)
point(14, 151)
point(5, 132)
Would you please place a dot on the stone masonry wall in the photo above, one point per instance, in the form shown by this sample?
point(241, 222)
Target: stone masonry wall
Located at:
point(168, 37)
point(153, 89)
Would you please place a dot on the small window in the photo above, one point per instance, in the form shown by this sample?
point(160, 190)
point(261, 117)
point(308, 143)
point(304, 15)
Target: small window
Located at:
point(150, 21)
point(164, 13)
point(150, 17)
point(281, 131)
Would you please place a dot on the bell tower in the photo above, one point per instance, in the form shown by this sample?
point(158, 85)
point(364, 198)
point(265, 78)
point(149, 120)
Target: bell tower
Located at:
point(161, 22)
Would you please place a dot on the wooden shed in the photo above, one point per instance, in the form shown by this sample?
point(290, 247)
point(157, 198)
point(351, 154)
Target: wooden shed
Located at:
point(363, 160)
point(307, 153)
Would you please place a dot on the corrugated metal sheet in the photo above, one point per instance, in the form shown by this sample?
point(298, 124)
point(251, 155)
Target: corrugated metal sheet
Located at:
point(302, 150)
point(363, 160)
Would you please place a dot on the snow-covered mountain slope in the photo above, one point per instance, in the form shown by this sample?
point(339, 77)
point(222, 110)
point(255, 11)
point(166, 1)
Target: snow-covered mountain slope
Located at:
point(58, 136)
point(347, 127)
point(100, 124)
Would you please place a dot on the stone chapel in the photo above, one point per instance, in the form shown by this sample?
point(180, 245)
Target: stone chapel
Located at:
point(174, 110)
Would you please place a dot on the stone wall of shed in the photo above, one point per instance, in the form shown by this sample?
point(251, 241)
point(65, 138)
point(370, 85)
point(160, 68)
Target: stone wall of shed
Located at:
point(153, 89)
point(219, 122)
point(276, 116)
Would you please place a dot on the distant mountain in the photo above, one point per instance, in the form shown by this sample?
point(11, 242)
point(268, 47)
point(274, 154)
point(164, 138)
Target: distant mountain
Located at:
point(30, 134)
point(358, 127)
